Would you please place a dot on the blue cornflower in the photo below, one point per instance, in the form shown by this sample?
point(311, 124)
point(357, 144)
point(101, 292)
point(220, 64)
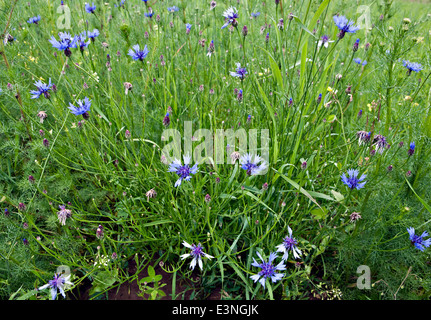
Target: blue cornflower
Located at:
point(188, 28)
point(173, 9)
point(239, 72)
point(184, 171)
point(93, 34)
point(345, 26)
point(149, 14)
point(418, 241)
point(412, 149)
point(83, 108)
point(121, 5)
point(251, 164)
point(197, 254)
point(34, 20)
point(89, 8)
point(137, 53)
point(58, 283)
point(230, 16)
point(65, 44)
point(81, 41)
point(353, 182)
point(255, 14)
point(360, 62)
point(412, 66)
point(289, 244)
point(42, 88)
point(268, 269)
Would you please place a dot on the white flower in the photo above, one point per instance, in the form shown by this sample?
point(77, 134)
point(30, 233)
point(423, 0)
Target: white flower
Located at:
point(250, 164)
point(196, 253)
point(59, 282)
point(289, 244)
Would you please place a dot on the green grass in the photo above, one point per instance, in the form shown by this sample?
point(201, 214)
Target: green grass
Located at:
point(102, 176)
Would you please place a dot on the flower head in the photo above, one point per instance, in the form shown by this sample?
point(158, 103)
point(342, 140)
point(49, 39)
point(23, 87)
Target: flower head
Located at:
point(42, 88)
point(81, 41)
point(65, 44)
point(137, 54)
point(380, 142)
point(196, 253)
point(355, 216)
point(289, 244)
point(345, 26)
point(239, 72)
point(360, 62)
point(183, 171)
point(230, 16)
point(63, 214)
point(93, 34)
point(412, 66)
point(412, 149)
point(166, 120)
point(90, 8)
point(173, 9)
point(363, 136)
point(418, 241)
point(352, 181)
point(59, 282)
point(255, 14)
point(149, 14)
point(324, 41)
point(268, 269)
point(188, 28)
point(83, 108)
point(211, 48)
point(121, 5)
point(251, 164)
point(34, 20)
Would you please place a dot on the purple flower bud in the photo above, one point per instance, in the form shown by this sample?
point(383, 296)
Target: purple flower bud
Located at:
point(99, 232)
point(244, 31)
point(207, 198)
point(166, 120)
point(412, 149)
point(319, 98)
point(304, 165)
point(356, 45)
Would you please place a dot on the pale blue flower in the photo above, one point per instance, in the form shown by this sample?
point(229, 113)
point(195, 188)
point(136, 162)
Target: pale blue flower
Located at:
point(268, 269)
